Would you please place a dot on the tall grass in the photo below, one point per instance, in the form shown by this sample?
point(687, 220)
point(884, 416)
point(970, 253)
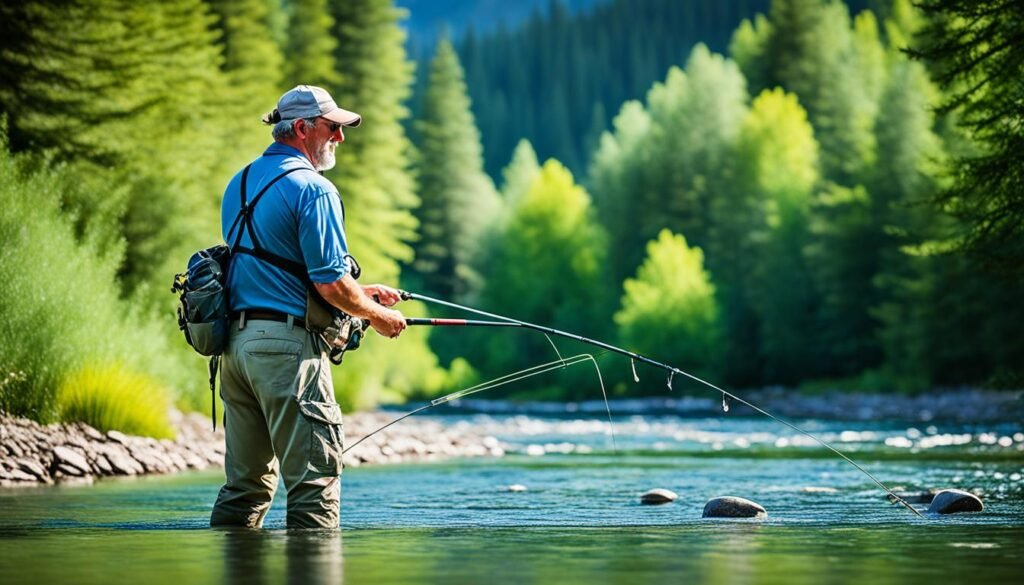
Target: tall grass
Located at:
point(113, 397)
point(61, 307)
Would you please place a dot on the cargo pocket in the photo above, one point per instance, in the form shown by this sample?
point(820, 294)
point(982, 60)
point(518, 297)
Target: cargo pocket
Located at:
point(326, 435)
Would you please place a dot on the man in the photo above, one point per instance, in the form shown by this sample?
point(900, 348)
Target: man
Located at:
point(280, 415)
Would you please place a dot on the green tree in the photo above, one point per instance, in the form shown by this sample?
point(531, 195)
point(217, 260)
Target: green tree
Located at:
point(842, 259)
point(310, 46)
point(813, 51)
point(548, 268)
point(669, 310)
point(519, 174)
point(373, 167)
point(252, 67)
point(125, 92)
point(777, 171)
point(458, 201)
point(661, 166)
point(975, 50)
point(905, 178)
point(374, 179)
point(749, 48)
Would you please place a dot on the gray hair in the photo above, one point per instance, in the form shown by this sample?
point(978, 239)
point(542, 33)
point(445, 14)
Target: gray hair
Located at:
point(285, 129)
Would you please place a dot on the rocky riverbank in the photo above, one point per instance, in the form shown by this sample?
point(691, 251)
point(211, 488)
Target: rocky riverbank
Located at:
point(33, 454)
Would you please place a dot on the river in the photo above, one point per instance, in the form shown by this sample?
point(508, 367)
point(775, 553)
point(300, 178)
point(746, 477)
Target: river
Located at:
point(578, 520)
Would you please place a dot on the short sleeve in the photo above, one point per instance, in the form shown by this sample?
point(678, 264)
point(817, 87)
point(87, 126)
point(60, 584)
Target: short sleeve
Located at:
point(322, 236)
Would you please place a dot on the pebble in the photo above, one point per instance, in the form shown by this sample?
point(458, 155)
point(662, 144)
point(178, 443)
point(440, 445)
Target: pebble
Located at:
point(658, 496)
point(733, 507)
point(955, 502)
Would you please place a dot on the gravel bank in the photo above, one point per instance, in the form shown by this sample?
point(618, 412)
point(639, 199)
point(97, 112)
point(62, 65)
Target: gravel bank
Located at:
point(34, 454)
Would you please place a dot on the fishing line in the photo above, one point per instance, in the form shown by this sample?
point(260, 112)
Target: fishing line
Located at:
point(510, 322)
point(560, 363)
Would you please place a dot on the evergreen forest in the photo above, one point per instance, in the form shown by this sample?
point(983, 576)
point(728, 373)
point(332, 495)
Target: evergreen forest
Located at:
point(796, 193)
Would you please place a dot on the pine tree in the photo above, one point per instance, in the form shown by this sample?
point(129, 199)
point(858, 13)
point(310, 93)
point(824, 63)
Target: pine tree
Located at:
point(127, 92)
point(519, 174)
point(252, 67)
point(778, 155)
point(976, 50)
point(813, 52)
point(310, 46)
point(905, 178)
point(662, 165)
point(458, 201)
point(372, 169)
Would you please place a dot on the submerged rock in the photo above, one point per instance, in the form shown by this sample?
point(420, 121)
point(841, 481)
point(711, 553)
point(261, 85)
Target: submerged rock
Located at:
point(924, 497)
point(733, 507)
point(954, 502)
point(658, 496)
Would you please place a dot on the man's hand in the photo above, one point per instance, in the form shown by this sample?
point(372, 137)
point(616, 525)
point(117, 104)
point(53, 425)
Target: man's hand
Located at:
point(390, 323)
point(384, 295)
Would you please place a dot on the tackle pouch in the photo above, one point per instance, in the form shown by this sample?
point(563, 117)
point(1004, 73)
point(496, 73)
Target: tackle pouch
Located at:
point(203, 311)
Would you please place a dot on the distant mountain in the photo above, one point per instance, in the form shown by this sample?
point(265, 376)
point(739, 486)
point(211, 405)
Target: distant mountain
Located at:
point(428, 18)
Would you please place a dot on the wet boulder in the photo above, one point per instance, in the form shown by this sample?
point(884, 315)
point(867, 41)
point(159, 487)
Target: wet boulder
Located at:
point(658, 496)
point(733, 507)
point(955, 502)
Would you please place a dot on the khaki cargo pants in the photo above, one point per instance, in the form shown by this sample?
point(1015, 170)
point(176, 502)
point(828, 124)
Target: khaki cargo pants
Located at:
point(280, 416)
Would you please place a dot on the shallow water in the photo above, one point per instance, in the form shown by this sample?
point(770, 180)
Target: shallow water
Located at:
point(579, 520)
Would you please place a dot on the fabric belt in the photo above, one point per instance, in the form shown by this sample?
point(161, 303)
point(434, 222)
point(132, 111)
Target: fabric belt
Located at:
point(264, 315)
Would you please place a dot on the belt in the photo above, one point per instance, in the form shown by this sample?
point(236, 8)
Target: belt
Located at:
point(264, 315)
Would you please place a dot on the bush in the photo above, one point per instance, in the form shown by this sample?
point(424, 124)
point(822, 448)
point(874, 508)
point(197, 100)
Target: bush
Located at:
point(61, 309)
point(113, 397)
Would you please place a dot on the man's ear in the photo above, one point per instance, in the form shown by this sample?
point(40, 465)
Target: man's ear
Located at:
point(300, 128)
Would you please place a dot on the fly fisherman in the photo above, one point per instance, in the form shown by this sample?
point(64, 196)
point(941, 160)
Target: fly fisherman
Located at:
point(280, 415)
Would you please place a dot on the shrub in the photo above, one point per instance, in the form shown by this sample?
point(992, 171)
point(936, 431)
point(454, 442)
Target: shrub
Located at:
point(113, 397)
point(60, 304)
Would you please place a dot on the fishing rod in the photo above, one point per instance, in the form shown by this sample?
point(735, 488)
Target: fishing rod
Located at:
point(503, 321)
point(560, 363)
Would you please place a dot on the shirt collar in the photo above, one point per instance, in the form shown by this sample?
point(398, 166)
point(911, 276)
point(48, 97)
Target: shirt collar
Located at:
point(278, 148)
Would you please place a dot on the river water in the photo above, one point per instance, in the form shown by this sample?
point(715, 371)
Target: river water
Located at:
point(579, 519)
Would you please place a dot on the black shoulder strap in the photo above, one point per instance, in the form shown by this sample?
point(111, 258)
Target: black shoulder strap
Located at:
point(296, 269)
point(245, 212)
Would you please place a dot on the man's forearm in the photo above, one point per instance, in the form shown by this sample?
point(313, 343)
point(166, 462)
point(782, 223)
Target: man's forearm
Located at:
point(347, 295)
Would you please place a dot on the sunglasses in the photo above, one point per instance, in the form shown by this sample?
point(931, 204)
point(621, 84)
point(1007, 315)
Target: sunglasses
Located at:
point(333, 126)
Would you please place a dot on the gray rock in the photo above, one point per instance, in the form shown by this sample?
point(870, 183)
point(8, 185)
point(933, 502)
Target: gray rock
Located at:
point(72, 458)
point(117, 437)
point(954, 502)
point(733, 507)
point(658, 496)
point(924, 497)
point(65, 470)
point(101, 466)
point(122, 462)
point(33, 467)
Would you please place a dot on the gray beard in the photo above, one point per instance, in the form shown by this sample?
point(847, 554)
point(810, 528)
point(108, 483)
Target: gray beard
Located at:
point(325, 157)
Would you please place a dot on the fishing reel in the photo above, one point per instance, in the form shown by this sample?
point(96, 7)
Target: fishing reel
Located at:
point(347, 336)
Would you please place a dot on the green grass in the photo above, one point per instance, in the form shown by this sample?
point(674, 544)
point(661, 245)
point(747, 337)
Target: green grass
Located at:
point(113, 397)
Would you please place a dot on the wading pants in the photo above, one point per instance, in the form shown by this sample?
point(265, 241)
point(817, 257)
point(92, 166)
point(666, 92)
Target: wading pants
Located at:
point(280, 417)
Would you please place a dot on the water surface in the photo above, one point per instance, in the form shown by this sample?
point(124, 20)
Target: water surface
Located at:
point(579, 520)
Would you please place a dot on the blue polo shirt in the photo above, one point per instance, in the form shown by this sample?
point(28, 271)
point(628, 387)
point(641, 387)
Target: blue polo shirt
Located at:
point(299, 218)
